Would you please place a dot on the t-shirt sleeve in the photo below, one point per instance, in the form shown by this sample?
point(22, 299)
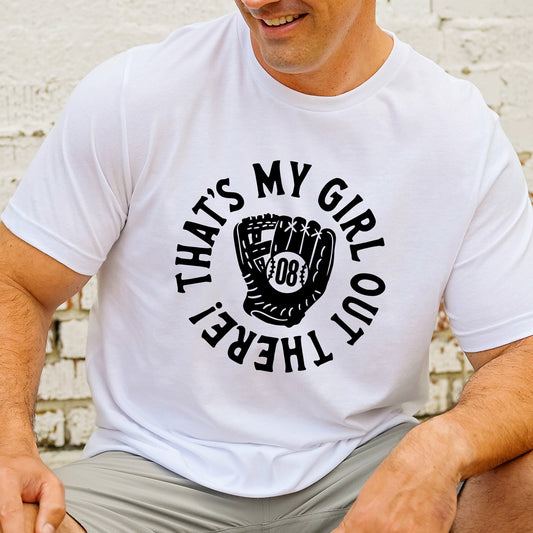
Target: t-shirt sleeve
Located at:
point(489, 296)
point(73, 201)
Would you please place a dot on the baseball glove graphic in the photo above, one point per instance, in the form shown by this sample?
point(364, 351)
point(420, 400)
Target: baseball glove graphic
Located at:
point(286, 263)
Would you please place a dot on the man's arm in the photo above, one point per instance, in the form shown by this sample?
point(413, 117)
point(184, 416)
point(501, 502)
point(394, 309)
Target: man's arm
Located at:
point(414, 489)
point(32, 285)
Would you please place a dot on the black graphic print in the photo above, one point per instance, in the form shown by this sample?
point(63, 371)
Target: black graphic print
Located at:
point(286, 263)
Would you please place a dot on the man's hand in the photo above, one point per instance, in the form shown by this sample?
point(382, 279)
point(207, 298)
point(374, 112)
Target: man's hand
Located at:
point(403, 501)
point(26, 479)
point(414, 490)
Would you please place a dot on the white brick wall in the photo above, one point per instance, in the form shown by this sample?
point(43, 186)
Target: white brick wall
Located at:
point(64, 380)
point(73, 338)
point(46, 47)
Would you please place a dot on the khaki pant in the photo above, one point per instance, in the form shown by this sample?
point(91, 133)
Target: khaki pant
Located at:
point(116, 492)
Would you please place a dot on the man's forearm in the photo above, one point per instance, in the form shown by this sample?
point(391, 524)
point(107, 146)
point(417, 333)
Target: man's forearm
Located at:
point(32, 285)
point(24, 324)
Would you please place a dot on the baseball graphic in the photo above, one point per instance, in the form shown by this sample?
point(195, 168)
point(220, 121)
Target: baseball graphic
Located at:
point(286, 263)
point(287, 272)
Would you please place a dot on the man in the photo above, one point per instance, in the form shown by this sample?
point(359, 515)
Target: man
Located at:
point(261, 204)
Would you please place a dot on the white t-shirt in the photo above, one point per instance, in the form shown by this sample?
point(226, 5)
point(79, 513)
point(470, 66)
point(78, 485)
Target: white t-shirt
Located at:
point(271, 263)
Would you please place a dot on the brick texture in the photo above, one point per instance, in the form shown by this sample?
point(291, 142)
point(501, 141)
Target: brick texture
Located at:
point(45, 49)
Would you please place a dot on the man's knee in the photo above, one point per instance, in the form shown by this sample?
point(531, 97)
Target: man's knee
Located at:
point(69, 525)
point(499, 500)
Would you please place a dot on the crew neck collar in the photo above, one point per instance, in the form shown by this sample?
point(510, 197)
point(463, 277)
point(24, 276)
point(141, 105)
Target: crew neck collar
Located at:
point(320, 103)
